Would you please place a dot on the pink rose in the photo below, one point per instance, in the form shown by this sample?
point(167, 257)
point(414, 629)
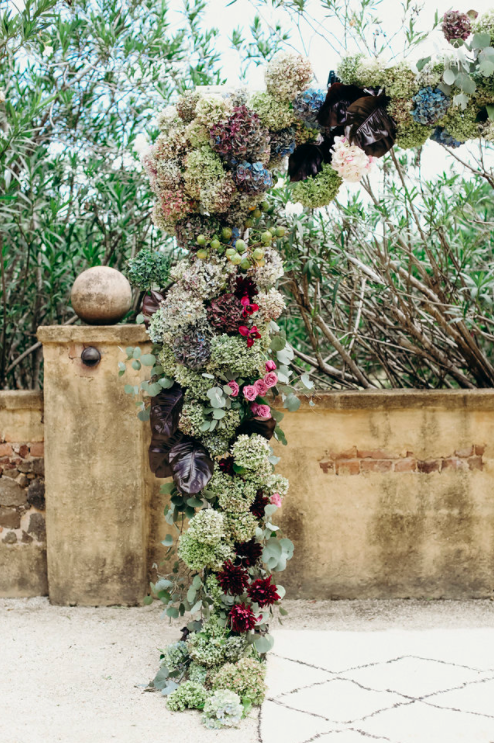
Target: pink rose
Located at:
point(270, 366)
point(261, 387)
point(234, 388)
point(250, 392)
point(255, 408)
point(276, 499)
point(263, 411)
point(270, 379)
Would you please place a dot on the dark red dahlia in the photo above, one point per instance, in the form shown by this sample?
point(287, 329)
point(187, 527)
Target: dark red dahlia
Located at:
point(226, 465)
point(262, 592)
point(248, 553)
point(244, 285)
point(233, 579)
point(242, 618)
point(257, 508)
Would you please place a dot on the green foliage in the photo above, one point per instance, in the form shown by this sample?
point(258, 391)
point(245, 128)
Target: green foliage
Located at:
point(81, 81)
point(149, 269)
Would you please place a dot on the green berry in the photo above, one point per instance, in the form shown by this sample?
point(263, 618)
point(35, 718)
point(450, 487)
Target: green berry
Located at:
point(280, 232)
point(229, 252)
point(245, 263)
point(265, 206)
point(266, 237)
point(249, 223)
point(258, 254)
point(226, 233)
point(257, 213)
point(202, 254)
point(240, 246)
point(201, 240)
point(236, 259)
point(215, 244)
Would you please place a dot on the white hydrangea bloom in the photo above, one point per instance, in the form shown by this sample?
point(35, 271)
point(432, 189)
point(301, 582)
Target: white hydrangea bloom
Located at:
point(349, 161)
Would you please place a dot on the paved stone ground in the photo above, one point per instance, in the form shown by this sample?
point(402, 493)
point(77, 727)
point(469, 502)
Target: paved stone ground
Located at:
point(341, 672)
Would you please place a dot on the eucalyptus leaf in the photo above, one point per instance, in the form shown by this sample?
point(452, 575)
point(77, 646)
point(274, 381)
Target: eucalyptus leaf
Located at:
point(263, 643)
point(197, 607)
point(449, 76)
point(148, 359)
point(480, 41)
point(172, 612)
point(167, 541)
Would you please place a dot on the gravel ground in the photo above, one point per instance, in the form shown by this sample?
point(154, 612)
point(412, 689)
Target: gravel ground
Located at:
point(76, 674)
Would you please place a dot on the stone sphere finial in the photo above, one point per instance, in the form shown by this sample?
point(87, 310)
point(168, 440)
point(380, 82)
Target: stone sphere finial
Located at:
point(101, 296)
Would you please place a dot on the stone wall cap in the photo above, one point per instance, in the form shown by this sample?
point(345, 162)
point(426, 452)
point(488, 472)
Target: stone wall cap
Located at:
point(21, 400)
point(111, 334)
point(477, 399)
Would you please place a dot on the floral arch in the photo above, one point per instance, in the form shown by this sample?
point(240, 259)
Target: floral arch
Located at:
point(220, 360)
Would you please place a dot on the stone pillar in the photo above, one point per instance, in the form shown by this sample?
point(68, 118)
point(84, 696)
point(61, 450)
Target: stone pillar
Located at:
point(96, 468)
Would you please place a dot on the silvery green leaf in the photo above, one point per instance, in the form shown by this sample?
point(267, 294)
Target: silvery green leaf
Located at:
point(280, 591)
point(449, 77)
point(197, 607)
point(422, 62)
point(171, 686)
point(140, 318)
point(205, 426)
point(271, 527)
point(143, 415)
point(208, 376)
point(466, 83)
point(270, 509)
point(129, 351)
point(167, 541)
point(165, 383)
point(196, 581)
point(161, 678)
point(490, 112)
point(172, 612)
point(281, 564)
point(162, 585)
point(274, 459)
point(306, 381)
point(136, 365)
point(287, 547)
point(191, 594)
point(480, 41)
point(148, 359)
point(218, 414)
point(264, 643)
point(137, 352)
point(486, 68)
point(129, 389)
point(461, 100)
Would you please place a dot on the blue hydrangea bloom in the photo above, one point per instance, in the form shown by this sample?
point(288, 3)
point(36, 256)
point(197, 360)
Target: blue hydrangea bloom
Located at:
point(430, 105)
point(252, 178)
point(441, 136)
point(283, 143)
point(307, 104)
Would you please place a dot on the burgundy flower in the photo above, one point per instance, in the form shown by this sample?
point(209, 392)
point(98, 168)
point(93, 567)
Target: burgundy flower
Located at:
point(245, 285)
point(262, 592)
point(226, 465)
point(249, 307)
point(233, 579)
point(251, 334)
point(248, 553)
point(257, 508)
point(242, 618)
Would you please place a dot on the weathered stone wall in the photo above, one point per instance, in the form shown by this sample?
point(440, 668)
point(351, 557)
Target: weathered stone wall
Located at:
point(392, 493)
point(22, 495)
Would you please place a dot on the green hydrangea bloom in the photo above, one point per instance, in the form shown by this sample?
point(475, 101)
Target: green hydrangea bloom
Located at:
point(203, 167)
point(462, 125)
point(348, 69)
point(319, 191)
point(222, 709)
point(231, 353)
point(197, 673)
point(207, 526)
point(251, 452)
point(176, 655)
point(167, 360)
point(484, 24)
point(198, 555)
point(189, 695)
point(273, 113)
point(240, 527)
point(245, 678)
point(149, 268)
point(410, 134)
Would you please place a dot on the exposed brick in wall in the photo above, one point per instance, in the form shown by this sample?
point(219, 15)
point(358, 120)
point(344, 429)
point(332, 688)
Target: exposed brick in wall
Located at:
point(357, 461)
point(22, 493)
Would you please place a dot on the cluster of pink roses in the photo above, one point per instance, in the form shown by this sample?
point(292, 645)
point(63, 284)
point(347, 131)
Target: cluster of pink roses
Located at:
point(258, 389)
